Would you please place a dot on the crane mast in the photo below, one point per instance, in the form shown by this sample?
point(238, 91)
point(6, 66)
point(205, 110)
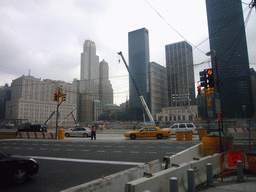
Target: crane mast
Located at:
point(140, 95)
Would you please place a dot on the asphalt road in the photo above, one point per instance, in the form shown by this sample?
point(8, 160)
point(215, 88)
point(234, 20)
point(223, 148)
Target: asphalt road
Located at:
point(73, 161)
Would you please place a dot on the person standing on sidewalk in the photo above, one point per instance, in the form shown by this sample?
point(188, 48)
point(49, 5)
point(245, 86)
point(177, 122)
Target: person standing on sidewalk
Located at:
point(93, 132)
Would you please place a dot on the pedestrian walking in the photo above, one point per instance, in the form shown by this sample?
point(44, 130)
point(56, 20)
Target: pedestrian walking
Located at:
point(93, 132)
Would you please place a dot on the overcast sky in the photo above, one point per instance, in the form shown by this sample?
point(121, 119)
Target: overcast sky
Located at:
point(47, 36)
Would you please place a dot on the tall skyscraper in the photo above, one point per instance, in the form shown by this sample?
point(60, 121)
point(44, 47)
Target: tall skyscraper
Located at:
point(90, 69)
point(139, 68)
point(180, 74)
point(227, 39)
point(158, 88)
point(105, 87)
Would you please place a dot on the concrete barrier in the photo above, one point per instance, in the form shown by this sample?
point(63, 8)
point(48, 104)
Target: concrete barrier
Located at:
point(36, 135)
point(8, 134)
point(199, 167)
point(116, 182)
point(187, 155)
point(160, 181)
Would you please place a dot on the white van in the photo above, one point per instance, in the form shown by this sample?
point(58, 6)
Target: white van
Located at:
point(182, 127)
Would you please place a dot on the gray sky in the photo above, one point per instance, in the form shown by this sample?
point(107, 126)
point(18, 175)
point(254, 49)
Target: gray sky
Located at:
point(47, 36)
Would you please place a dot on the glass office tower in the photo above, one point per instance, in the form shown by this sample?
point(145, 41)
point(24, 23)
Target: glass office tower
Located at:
point(227, 38)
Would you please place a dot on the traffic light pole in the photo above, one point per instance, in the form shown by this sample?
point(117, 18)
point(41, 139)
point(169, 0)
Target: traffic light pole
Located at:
point(57, 114)
point(213, 54)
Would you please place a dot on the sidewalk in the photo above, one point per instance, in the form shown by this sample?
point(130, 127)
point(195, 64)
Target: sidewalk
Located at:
point(230, 184)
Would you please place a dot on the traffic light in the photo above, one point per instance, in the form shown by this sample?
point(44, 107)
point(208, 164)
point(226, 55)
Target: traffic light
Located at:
point(199, 92)
point(209, 103)
point(63, 96)
point(207, 91)
point(56, 96)
point(211, 90)
point(203, 78)
point(210, 77)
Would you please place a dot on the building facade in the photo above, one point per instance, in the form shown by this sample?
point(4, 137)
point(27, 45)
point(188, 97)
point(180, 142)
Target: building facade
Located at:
point(32, 100)
point(105, 87)
point(228, 40)
point(178, 114)
point(5, 95)
point(158, 88)
point(90, 69)
point(180, 74)
point(139, 67)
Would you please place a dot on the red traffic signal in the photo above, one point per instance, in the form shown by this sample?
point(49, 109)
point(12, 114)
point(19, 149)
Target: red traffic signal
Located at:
point(56, 96)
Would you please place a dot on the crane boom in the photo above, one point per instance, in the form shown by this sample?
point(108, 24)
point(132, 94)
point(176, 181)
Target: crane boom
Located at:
point(140, 95)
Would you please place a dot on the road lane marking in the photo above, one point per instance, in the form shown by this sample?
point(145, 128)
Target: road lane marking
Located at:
point(34, 144)
point(121, 146)
point(99, 151)
point(57, 145)
point(117, 151)
point(86, 150)
point(45, 144)
point(56, 149)
point(134, 151)
point(165, 147)
point(135, 146)
point(17, 148)
point(42, 149)
point(151, 147)
point(70, 149)
point(89, 161)
point(107, 146)
point(94, 145)
point(30, 148)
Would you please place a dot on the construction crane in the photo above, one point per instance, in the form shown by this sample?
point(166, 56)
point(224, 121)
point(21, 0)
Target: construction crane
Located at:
point(140, 95)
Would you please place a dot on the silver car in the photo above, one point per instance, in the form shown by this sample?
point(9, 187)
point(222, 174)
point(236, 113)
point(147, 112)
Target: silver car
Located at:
point(79, 132)
point(182, 127)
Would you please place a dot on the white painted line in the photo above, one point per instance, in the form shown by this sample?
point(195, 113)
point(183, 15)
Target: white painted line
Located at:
point(153, 152)
point(45, 144)
point(17, 148)
point(86, 150)
point(134, 151)
point(42, 148)
point(70, 149)
point(57, 145)
point(165, 147)
point(89, 161)
point(117, 151)
point(81, 145)
point(94, 145)
point(180, 147)
point(69, 145)
point(30, 148)
point(56, 149)
point(135, 146)
point(34, 144)
point(101, 151)
point(151, 147)
point(121, 146)
point(107, 146)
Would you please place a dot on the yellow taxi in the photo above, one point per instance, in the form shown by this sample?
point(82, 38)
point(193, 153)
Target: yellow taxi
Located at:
point(151, 131)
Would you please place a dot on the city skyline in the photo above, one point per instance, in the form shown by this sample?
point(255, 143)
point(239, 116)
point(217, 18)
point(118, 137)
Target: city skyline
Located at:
point(46, 38)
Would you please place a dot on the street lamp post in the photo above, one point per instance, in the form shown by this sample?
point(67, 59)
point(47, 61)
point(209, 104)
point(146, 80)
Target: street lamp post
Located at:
point(217, 93)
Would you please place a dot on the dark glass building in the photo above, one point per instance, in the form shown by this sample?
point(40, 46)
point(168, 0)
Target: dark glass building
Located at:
point(227, 38)
point(180, 74)
point(139, 68)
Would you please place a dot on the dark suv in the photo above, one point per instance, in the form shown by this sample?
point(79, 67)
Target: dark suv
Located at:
point(33, 128)
point(16, 168)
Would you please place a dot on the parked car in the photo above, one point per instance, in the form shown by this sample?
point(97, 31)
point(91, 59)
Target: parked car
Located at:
point(32, 128)
point(151, 131)
point(16, 168)
point(79, 132)
point(182, 127)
